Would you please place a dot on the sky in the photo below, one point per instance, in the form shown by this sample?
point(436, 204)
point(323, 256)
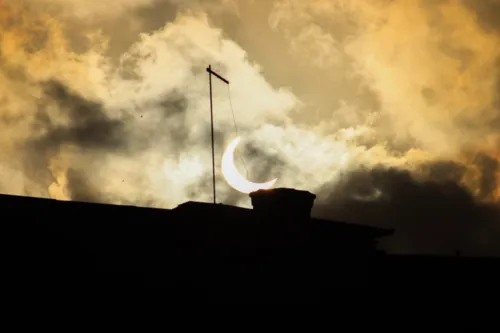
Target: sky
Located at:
point(387, 110)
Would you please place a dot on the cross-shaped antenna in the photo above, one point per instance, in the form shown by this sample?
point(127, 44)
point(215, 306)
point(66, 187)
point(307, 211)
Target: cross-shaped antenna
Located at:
point(210, 73)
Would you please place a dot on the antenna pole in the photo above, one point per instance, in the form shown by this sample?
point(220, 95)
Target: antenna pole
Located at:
point(210, 73)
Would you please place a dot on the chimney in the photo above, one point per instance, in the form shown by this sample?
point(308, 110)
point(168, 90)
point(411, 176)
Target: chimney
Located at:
point(283, 202)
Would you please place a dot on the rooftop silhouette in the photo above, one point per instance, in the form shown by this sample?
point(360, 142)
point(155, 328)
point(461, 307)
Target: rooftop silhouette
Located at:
point(198, 250)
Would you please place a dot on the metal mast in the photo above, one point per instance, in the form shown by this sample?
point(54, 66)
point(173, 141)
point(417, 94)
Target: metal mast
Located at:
point(210, 73)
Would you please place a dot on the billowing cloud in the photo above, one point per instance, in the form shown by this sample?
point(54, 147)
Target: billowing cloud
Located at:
point(382, 108)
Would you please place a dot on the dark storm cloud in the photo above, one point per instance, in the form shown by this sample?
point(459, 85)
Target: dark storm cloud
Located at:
point(488, 12)
point(261, 164)
point(154, 16)
point(88, 125)
point(173, 104)
point(428, 216)
point(80, 189)
point(173, 122)
point(489, 169)
point(444, 171)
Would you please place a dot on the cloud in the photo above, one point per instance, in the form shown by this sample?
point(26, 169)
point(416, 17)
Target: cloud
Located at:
point(86, 124)
point(452, 92)
point(429, 216)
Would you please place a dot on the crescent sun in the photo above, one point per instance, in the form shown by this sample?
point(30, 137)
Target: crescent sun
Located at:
point(234, 178)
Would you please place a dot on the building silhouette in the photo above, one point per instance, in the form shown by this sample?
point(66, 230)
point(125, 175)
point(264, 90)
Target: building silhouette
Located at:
point(274, 252)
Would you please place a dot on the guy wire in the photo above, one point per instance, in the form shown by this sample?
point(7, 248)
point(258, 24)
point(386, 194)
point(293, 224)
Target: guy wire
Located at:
point(235, 126)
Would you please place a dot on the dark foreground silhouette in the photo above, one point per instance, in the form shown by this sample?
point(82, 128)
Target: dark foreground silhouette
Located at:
point(203, 252)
